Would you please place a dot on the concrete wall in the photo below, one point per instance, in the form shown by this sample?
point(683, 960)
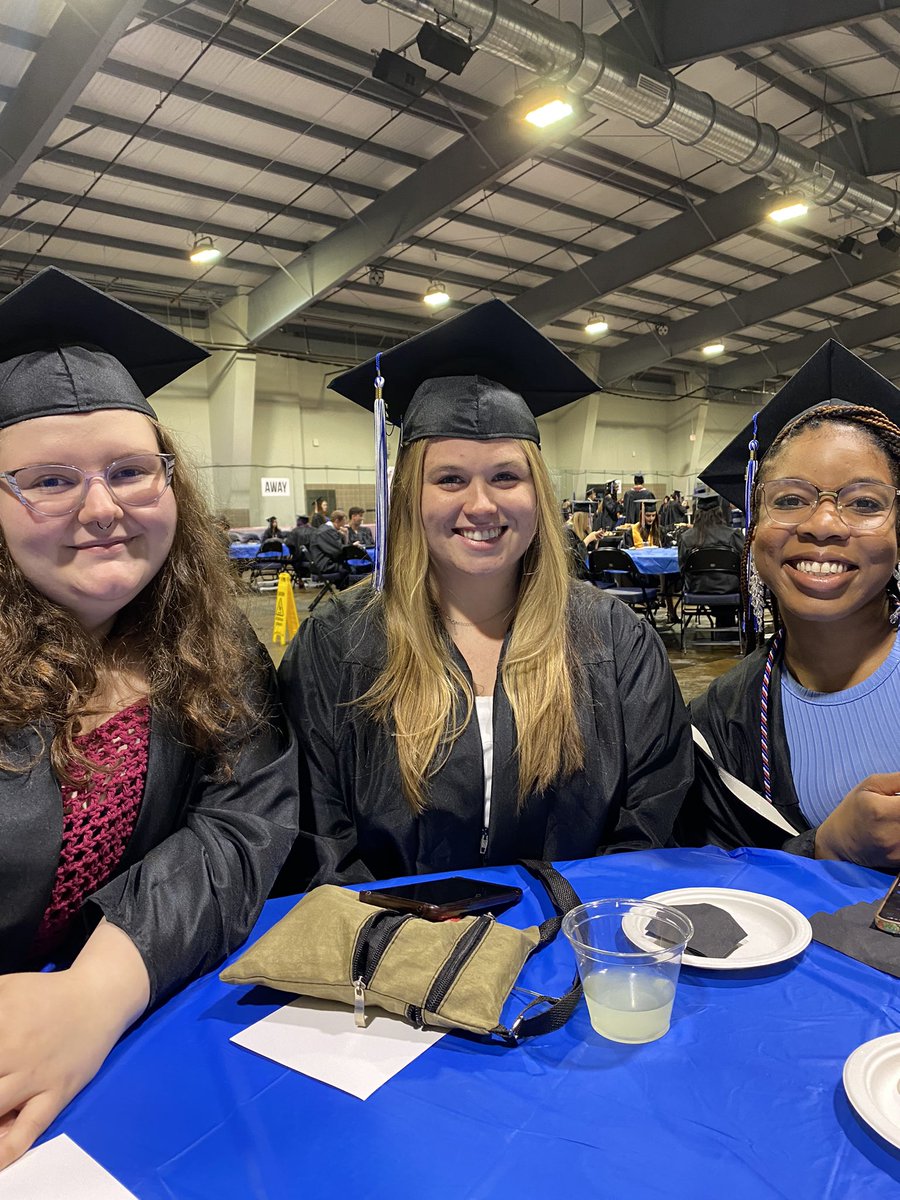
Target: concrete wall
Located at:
point(322, 443)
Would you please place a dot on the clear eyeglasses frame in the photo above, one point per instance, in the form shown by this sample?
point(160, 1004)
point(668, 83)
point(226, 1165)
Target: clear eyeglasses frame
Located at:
point(864, 506)
point(55, 490)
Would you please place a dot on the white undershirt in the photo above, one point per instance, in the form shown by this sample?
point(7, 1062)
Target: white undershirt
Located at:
point(484, 710)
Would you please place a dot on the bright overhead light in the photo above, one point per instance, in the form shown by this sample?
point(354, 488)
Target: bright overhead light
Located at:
point(596, 324)
point(436, 295)
point(789, 211)
point(204, 251)
point(713, 349)
point(548, 112)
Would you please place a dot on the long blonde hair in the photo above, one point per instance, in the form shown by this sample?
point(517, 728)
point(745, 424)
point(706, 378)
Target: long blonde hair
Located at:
point(426, 697)
point(581, 524)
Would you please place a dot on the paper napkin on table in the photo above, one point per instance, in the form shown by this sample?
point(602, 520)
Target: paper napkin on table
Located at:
point(850, 931)
point(61, 1170)
point(320, 1039)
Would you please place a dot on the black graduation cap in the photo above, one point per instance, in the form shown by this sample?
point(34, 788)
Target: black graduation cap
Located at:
point(67, 347)
point(833, 373)
point(485, 374)
point(584, 506)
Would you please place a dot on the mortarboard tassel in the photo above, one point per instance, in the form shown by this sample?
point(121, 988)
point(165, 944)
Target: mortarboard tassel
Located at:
point(382, 498)
point(749, 480)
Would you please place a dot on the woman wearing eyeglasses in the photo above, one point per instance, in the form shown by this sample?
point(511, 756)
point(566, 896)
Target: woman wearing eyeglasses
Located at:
point(147, 795)
point(811, 719)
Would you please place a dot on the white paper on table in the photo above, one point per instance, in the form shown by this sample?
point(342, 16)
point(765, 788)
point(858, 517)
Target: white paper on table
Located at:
point(321, 1039)
point(61, 1169)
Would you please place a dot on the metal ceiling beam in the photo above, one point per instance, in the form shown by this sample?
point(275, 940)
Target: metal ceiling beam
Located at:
point(686, 31)
point(787, 357)
point(888, 364)
point(750, 308)
point(873, 147)
point(472, 162)
point(81, 38)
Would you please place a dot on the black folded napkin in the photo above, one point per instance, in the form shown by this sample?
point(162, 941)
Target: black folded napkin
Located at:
point(716, 933)
point(850, 931)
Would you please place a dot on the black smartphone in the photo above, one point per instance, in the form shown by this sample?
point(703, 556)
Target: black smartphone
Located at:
point(443, 899)
point(887, 918)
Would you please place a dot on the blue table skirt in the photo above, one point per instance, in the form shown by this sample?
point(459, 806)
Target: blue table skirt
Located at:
point(655, 560)
point(741, 1100)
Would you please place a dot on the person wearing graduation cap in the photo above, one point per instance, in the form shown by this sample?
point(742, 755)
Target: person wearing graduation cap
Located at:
point(804, 735)
point(148, 790)
point(483, 706)
point(645, 531)
point(709, 531)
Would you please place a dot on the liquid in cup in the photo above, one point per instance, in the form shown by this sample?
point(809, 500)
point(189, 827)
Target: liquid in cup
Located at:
point(629, 955)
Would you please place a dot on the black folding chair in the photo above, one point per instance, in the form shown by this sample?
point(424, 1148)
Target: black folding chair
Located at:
point(712, 562)
point(270, 561)
point(627, 582)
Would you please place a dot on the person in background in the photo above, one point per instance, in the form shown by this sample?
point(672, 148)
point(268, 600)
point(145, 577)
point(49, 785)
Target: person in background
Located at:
point(329, 550)
point(497, 698)
point(580, 538)
point(610, 510)
point(357, 533)
point(148, 794)
point(633, 498)
point(710, 532)
point(646, 530)
point(810, 720)
point(320, 512)
point(298, 541)
point(272, 530)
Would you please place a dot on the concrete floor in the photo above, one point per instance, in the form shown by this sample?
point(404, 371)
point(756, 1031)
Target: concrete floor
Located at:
point(694, 669)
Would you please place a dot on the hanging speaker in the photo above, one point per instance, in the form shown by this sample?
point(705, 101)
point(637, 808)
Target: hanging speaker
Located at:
point(442, 49)
point(400, 73)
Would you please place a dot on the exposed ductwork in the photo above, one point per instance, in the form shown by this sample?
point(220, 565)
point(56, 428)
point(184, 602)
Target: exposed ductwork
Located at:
point(560, 52)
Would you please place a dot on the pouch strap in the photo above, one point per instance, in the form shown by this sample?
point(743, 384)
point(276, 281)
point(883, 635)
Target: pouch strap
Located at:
point(564, 898)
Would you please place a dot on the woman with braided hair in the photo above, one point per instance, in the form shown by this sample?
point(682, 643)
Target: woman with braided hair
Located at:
point(811, 719)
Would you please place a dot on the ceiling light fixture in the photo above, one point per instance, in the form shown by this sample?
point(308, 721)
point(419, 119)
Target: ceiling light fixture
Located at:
point(596, 324)
point(204, 251)
point(436, 295)
point(713, 349)
point(548, 104)
point(788, 210)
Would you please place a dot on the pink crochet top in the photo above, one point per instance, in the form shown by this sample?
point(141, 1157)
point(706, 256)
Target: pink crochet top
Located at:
point(99, 815)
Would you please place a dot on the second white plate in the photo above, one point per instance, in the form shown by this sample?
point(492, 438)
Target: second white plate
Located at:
point(776, 931)
point(871, 1081)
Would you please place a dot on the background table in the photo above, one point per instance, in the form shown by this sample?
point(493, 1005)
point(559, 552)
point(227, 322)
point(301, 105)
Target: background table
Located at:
point(742, 1099)
point(655, 560)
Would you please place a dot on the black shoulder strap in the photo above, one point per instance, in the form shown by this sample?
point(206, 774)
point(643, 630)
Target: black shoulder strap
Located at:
point(564, 898)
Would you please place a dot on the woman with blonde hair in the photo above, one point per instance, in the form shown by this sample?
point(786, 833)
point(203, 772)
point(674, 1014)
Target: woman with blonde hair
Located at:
point(483, 706)
point(147, 786)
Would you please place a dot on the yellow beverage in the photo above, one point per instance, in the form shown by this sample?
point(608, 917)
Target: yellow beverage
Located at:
point(627, 1005)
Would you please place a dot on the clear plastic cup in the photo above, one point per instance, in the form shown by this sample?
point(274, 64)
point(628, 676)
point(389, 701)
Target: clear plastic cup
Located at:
point(629, 955)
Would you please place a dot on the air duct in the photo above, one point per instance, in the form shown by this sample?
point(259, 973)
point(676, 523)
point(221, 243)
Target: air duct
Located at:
point(560, 52)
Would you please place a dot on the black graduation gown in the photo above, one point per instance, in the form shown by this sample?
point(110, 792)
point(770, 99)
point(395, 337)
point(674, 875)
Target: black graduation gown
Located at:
point(728, 716)
point(719, 537)
point(356, 824)
point(196, 871)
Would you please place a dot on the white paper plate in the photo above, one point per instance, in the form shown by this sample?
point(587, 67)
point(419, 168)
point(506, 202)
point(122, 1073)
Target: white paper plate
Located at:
point(871, 1081)
point(775, 930)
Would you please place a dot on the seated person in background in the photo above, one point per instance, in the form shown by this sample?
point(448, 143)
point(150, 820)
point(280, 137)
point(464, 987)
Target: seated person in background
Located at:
point(646, 530)
point(811, 719)
point(320, 512)
point(357, 533)
point(329, 550)
point(271, 530)
point(147, 789)
point(484, 706)
point(710, 532)
point(298, 541)
point(580, 539)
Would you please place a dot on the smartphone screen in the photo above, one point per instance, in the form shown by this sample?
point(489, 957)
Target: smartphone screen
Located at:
point(887, 917)
point(445, 897)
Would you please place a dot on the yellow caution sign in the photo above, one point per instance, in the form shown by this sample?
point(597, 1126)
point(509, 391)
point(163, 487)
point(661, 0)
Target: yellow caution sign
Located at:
point(286, 620)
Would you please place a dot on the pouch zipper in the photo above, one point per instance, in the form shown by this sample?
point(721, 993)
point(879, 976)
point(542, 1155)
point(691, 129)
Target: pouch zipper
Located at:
point(372, 941)
point(450, 971)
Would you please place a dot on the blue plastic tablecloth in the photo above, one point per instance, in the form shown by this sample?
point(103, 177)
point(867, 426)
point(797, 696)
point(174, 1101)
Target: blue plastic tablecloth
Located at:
point(741, 1100)
point(655, 560)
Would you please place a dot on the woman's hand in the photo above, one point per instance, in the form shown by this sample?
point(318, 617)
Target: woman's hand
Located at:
point(56, 1028)
point(591, 538)
point(865, 826)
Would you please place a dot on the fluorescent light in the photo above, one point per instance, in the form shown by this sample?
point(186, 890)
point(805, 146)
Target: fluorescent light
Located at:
point(436, 295)
point(205, 251)
point(789, 211)
point(713, 349)
point(549, 112)
point(596, 324)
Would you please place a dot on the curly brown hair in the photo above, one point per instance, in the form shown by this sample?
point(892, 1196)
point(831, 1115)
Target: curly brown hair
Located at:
point(883, 434)
point(197, 651)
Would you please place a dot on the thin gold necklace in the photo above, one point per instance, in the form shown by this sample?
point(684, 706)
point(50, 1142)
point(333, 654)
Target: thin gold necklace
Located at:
point(483, 621)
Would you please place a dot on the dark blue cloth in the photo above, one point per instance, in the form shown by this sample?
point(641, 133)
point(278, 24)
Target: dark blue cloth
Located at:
point(742, 1098)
